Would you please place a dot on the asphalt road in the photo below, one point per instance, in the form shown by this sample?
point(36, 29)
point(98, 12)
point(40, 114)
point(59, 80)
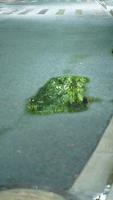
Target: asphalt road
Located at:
point(49, 152)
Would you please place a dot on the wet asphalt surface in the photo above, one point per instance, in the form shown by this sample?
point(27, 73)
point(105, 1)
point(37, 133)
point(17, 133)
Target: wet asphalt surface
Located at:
point(49, 152)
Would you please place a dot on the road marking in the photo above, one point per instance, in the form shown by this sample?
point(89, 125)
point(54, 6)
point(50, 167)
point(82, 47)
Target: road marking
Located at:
point(60, 12)
point(8, 12)
point(99, 12)
point(25, 11)
point(42, 12)
point(78, 12)
point(35, 10)
point(11, 12)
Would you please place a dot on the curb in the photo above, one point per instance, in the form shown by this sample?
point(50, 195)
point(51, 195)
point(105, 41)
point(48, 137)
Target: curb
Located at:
point(95, 176)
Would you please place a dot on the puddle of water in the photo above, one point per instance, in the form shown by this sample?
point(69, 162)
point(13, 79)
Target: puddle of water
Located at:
point(60, 95)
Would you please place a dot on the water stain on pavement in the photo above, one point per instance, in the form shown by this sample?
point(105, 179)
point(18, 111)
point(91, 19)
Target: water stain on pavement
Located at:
point(67, 71)
point(77, 58)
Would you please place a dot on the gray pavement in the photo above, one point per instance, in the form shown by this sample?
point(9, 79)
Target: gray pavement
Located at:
point(48, 152)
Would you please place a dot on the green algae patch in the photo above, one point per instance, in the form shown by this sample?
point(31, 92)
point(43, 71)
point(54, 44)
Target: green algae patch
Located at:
point(60, 95)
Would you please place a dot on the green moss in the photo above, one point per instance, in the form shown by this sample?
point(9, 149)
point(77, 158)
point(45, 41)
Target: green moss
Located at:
point(60, 94)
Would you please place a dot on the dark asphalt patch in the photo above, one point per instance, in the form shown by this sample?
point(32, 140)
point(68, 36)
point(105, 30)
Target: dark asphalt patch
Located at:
point(42, 12)
point(60, 12)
